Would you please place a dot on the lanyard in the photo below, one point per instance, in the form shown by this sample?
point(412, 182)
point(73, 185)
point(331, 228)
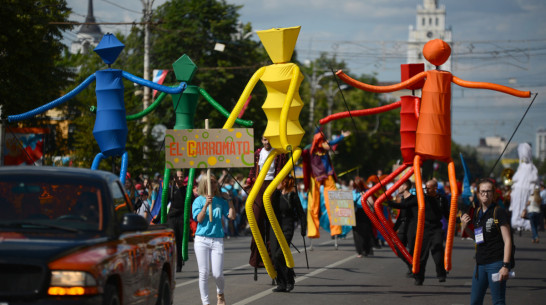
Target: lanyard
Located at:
point(481, 213)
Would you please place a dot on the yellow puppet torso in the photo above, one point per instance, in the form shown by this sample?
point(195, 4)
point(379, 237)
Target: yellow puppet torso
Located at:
point(277, 79)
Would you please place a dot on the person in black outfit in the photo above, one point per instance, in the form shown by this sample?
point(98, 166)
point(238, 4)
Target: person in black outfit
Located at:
point(401, 226)
point(287, 206)
point(175, 217)
point(406, 224)
point(436, 206)
point(362, 232)
point(493, 238)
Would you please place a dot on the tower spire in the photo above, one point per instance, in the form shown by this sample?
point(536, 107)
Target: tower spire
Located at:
point(90, 16)
point(90, 28)
point(89, 34)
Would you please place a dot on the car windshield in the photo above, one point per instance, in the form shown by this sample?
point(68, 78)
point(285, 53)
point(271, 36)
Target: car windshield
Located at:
point(48, 203)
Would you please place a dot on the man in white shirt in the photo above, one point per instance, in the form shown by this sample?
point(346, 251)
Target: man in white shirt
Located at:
point(260, 155)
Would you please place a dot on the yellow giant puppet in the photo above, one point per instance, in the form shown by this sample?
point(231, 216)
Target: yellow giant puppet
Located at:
point(282, 107)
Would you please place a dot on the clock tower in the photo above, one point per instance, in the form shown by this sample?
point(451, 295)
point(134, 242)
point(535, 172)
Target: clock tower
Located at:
point(431, 24)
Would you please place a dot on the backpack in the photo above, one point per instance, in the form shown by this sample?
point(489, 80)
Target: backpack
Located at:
point(512, 259)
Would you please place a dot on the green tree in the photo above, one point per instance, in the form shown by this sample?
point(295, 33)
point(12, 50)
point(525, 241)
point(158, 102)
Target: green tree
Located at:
point(31, 71)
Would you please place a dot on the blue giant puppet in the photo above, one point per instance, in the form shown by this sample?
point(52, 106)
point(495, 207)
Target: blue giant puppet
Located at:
point(110, 130)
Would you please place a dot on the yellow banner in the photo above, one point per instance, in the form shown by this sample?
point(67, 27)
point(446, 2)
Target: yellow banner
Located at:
point(342, 208)
point(208, 148)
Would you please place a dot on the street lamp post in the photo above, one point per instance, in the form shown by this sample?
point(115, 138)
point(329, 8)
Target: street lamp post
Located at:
point(314, 85)
point(331, 91)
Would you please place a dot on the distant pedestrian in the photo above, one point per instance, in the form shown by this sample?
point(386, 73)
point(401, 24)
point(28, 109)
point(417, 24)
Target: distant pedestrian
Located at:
point(533, 213)
point(362, 232)
point(175, 216)
point(542, 206)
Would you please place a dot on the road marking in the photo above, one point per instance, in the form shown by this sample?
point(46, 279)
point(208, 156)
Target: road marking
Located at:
point(299, 279)
point(243, 266)
point(225, 272)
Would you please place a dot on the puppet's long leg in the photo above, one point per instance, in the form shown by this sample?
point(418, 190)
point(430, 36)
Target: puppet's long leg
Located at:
point(271, 213)
point(373, 217)
point(420, 214)
point(124, 165)
point(187, 211)
point(165, 194)
point(378, 205)
point(313, 209)
point(252, 218)
point(96, 161)
point(452, 215)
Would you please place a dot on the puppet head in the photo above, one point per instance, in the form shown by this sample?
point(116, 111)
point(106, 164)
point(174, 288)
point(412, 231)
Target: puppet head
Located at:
point(318, 139)
point(109, 48)
point(280, 43)
point(184, 69)
point(436, 52)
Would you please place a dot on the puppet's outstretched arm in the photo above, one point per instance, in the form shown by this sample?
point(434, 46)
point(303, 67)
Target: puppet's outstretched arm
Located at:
point(246, 93)
point(363, 112)
point(491, 86)
point(380, 89)
point(283, 122)
point(156, 86)
point(222, 110)
point(53, 104)
point(151, 108)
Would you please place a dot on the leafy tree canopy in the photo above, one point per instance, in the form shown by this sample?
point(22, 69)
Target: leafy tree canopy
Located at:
point(30, 50)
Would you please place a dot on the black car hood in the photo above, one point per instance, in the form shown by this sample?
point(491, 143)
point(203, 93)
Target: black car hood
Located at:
point(40, 250)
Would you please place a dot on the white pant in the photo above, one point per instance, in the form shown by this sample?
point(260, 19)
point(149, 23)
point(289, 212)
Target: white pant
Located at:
point(209, 252)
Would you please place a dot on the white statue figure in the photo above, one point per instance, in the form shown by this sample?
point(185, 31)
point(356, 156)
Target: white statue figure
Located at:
point(524, 181)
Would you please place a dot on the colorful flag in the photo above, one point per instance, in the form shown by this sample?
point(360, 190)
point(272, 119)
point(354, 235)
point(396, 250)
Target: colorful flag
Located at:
point(157, 206)
point(24, 146)
point(159, 77)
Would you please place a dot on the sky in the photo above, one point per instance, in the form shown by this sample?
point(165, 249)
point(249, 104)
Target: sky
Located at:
point(498, 41)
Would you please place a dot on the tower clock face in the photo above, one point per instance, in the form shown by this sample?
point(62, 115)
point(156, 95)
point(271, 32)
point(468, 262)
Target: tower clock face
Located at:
point(429, 34)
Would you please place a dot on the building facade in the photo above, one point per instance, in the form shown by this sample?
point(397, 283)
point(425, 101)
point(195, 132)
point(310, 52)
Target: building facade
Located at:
point(540, 144)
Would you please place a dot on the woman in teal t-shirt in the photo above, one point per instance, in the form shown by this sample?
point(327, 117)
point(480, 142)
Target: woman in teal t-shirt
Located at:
point(209, 237)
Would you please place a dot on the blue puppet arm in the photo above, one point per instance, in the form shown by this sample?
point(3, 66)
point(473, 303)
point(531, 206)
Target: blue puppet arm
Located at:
point(53, 104)
point(156, 86)
point(337, 140)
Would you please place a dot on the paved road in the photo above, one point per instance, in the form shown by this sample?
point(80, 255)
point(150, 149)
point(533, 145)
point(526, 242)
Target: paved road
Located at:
point(339, 277)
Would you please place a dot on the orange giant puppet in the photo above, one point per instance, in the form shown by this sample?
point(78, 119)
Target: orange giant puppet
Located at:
point(409, 113)
point(433, 136)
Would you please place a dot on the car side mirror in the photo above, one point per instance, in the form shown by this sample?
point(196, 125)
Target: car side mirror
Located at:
point(133, 222)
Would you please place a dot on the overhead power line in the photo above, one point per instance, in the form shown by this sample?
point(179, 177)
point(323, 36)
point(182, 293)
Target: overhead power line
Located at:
point(104, 23)
point(121, 7)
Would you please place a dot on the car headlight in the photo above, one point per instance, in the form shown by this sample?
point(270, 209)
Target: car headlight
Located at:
point(72, 283)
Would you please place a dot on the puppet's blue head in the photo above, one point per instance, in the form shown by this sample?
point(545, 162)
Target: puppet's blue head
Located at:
point(109, 48)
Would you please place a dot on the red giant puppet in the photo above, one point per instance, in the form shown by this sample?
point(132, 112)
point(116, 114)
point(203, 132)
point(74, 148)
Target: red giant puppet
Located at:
point(433, 134)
